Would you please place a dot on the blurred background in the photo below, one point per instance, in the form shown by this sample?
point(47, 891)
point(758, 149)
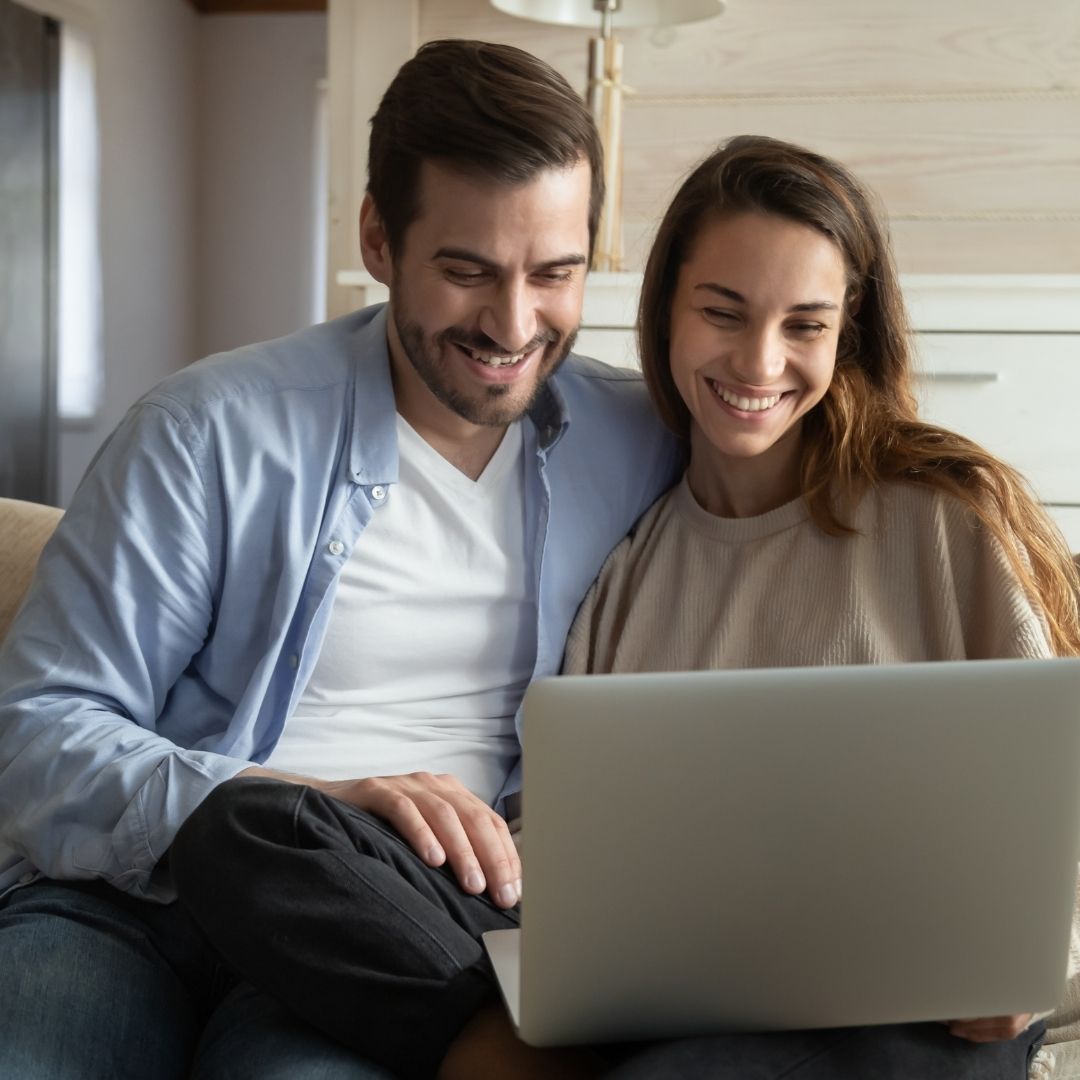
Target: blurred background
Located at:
point(179, 177)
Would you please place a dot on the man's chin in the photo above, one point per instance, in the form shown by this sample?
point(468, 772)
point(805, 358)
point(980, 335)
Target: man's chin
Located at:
point(502, 403)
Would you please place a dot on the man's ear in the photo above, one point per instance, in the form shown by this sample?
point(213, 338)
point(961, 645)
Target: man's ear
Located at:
point(374, 245)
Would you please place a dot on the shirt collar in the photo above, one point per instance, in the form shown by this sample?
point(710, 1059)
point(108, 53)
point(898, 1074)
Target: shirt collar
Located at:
point(550, 414)
point(373, 456)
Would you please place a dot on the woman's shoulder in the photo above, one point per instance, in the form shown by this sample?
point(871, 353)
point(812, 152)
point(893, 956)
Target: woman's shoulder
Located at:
point(913, 507)
point(638, 546)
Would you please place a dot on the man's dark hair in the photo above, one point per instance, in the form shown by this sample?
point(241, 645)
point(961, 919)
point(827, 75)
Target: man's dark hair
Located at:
point(484, 109)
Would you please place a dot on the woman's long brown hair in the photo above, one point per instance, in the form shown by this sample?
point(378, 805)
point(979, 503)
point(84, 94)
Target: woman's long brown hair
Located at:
point(865, 431)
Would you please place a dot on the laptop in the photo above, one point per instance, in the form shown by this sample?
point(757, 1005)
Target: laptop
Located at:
point(793, 848)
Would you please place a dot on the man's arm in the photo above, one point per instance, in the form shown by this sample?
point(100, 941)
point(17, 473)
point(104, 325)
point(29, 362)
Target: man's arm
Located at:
point(121, 602)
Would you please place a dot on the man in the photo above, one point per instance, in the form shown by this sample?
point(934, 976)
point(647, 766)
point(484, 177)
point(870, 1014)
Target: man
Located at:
point(335, 559)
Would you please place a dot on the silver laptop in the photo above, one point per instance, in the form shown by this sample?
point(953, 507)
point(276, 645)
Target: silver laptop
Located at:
point(793, 848)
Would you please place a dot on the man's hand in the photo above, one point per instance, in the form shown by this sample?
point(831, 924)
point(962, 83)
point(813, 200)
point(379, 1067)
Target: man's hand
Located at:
point(441, 820)
point(990, 1029)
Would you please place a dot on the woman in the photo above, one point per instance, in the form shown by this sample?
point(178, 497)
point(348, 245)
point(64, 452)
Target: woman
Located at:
point(819, 521)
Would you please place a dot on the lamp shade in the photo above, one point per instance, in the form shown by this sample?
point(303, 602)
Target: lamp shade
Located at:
point(631, 13)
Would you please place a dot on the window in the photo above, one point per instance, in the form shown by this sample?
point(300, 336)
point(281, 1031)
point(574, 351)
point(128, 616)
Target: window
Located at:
point(79, 333)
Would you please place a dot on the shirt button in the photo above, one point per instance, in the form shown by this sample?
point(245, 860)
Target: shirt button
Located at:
point(378, 493)
point(335, 547)
point(26, 879)
point(294, 660)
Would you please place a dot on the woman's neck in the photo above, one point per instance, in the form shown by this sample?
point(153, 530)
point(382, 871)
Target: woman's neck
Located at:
point(740, 487)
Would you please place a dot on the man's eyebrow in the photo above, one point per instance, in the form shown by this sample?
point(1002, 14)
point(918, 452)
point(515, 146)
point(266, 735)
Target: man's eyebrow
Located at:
point(465, 255)
point(731, 294)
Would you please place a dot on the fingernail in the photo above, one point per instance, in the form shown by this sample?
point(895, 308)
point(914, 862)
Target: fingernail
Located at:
point(436, 856)
point(508, 895)
point(517, 885)
point(474, 881)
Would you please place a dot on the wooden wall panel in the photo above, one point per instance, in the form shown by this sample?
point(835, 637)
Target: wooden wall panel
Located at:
point(963, 115)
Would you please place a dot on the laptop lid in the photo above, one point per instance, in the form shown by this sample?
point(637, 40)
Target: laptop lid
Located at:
point(789, 848)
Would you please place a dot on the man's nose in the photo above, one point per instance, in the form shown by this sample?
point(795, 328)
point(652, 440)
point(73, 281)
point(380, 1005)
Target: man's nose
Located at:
point(509, 318)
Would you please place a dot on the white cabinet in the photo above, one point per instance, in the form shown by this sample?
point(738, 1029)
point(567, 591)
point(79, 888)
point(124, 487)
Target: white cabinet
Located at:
point(1015, 394)
point(998, 361)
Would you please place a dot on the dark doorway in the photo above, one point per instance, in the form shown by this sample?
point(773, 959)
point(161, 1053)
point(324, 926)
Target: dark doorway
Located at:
point(29, 79)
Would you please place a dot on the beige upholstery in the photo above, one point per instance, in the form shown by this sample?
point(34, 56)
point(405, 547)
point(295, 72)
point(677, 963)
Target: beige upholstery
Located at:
point(24, 528)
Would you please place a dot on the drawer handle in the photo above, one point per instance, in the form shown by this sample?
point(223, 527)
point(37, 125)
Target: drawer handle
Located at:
point(958, 376)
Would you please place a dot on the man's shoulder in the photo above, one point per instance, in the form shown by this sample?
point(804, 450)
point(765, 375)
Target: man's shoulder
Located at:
point(581, 370)
point(602, 392)
point(317, 358)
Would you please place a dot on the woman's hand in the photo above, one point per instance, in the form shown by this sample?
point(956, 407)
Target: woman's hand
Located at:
point(990, 1029)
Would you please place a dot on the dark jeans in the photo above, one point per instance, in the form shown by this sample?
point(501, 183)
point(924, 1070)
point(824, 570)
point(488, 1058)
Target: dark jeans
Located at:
point(325, 908)
point(101, 986)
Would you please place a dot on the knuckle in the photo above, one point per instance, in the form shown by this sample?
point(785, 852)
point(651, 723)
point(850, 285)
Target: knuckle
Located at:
point(475, 816)
point(398, 802)
point(442, 811)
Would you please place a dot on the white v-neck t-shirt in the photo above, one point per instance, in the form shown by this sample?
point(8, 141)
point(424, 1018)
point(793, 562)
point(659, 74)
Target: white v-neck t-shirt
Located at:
point(432, 635)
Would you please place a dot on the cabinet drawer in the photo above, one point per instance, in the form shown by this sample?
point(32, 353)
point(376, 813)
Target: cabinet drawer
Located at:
point(1015, 394)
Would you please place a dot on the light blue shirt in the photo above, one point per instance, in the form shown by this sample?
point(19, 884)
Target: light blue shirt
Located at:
point(179, 609)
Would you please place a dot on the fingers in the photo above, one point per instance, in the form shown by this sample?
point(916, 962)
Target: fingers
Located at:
point(990, 1029)
point(478, 853)
point(444, 822)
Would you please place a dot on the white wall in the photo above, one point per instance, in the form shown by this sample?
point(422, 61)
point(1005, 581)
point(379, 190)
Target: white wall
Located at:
point(146, 70)
point(258, 77)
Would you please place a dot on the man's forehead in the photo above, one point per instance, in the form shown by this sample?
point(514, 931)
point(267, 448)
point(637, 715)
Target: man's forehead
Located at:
point(467, 211)
point(441, 181)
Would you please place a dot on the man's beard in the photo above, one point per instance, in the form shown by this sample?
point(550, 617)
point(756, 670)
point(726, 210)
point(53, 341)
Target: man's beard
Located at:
point(490, 407)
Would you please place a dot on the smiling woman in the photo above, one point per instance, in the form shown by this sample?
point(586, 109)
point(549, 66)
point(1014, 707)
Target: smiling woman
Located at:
point(755, 324)
point(819, 521)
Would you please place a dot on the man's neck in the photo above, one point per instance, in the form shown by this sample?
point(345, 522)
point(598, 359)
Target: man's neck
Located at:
point(469, 451)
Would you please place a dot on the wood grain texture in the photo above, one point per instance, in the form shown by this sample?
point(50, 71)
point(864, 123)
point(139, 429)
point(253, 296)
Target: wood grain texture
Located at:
point(964, 116)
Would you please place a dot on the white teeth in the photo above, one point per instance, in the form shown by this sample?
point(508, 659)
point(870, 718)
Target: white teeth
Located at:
point(495, 361)
point(746, 404)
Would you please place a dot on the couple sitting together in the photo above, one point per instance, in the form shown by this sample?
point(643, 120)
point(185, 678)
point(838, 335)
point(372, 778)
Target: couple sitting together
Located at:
point(258, 715)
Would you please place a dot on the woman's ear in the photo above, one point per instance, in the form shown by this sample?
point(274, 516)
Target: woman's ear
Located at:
point(374, 244)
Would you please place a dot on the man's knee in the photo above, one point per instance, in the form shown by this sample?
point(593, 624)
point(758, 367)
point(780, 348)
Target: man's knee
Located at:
point(231, 824)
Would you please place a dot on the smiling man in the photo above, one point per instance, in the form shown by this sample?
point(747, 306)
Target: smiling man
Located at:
point(298, 597)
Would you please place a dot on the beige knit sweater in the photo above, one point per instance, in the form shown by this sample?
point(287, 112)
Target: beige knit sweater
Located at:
point(688, 590)
point(922, 580)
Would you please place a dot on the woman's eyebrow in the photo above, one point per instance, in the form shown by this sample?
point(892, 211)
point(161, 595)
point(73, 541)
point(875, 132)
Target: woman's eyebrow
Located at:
point(721, 290)
point(731, 294)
